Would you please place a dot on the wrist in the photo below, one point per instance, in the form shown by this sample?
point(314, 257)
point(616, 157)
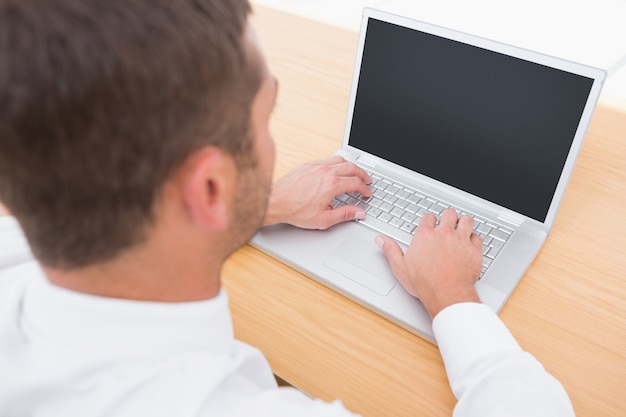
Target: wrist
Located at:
point(273, 212)
point(441, 300)
point(270, 215)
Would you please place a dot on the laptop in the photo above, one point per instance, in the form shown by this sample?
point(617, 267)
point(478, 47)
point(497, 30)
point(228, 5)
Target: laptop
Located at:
point(439, 119)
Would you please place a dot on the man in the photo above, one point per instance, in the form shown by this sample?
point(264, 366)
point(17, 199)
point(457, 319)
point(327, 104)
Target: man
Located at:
point(136, 156)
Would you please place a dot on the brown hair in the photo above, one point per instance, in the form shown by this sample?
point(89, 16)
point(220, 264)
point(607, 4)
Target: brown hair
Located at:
point(100, 100)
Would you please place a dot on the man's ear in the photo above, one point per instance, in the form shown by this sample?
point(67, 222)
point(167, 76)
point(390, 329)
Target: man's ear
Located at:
point(207, 182)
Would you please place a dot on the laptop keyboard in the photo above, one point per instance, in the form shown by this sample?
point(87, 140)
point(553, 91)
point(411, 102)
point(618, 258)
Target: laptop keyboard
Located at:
point(396, 210)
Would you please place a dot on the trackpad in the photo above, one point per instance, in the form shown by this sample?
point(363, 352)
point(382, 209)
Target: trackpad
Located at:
point(363, 262)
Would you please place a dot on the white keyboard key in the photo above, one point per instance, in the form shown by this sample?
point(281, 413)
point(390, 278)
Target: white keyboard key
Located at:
point(397, 222)
point(408, 227)
point(384, 216)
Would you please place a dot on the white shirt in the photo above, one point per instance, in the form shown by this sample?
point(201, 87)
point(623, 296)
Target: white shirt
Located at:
point(64, 353)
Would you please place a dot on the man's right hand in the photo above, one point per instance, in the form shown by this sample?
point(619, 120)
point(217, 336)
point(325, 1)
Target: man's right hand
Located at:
point(442, 263)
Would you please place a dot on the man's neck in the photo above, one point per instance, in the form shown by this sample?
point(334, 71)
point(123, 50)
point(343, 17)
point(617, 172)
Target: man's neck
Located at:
point(165, 269)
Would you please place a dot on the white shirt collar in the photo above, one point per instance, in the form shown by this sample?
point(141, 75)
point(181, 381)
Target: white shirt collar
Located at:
point(71, 318)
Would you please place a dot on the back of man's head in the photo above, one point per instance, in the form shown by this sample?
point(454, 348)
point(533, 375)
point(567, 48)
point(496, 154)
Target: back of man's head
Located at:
point(101, 100)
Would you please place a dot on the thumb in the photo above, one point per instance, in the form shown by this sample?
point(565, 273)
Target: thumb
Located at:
point(391, 249)
point(343, 214)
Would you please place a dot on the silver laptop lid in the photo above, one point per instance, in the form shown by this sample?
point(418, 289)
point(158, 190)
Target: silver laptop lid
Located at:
point(494, 121)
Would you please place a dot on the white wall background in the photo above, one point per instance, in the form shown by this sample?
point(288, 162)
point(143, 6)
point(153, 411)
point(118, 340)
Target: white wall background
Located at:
point(590, 32)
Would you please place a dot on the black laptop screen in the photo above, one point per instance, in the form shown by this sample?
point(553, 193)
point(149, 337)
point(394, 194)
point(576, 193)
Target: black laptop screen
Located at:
point(493, 125)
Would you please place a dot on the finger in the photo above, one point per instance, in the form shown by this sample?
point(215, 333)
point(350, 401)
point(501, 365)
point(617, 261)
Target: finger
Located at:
point(476, 240)
point(391, 249)
point(429, 220)
point(349, 169)
point(340, 214)
point(351, 184)
point(465, 225)
point(448, 218)
point(343, 168)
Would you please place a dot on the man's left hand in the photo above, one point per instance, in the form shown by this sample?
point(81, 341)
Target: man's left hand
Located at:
point(304, 196)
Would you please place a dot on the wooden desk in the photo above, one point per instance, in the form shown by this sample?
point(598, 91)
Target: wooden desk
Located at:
point(569, 310)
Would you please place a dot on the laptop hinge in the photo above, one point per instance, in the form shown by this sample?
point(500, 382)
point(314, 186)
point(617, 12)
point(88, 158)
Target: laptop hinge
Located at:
point(366, 160)
point(514, 220)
